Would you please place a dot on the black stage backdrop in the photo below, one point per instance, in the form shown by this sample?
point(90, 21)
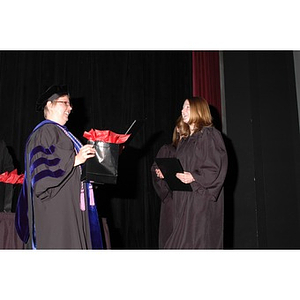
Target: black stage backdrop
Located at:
point(109, 90)
point(262, 191)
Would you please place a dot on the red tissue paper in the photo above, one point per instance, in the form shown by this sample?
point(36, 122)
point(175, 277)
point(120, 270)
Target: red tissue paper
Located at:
point(107, 136)
point(12, 177)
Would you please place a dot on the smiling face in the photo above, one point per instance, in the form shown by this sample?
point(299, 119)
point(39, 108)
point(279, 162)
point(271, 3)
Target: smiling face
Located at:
point(58, 110)
point(185, 112)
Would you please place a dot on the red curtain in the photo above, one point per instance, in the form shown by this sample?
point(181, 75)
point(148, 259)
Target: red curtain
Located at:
point(206, 77)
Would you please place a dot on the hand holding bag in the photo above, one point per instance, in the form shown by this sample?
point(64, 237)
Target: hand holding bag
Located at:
point(103, 167)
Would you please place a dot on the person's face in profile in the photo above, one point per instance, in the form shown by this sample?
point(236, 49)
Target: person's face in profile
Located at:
point(60, 109)
point(185, 112)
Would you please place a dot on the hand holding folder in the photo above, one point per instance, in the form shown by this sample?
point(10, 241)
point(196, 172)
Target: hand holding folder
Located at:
point(169, 167)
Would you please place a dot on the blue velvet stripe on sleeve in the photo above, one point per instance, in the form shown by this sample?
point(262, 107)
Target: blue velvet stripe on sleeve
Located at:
point(47, 173)
point(38, 149)
point(44, 161)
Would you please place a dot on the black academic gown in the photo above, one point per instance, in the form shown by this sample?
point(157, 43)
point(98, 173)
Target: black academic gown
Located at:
point(165, 194)
point(198, 215)
point(58, 222)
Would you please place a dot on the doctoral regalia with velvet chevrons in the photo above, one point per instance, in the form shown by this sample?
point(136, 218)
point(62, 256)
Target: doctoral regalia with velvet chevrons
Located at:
point(55, 209)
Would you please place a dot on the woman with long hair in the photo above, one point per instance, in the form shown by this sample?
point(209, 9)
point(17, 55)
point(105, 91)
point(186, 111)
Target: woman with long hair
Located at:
point(197, 218)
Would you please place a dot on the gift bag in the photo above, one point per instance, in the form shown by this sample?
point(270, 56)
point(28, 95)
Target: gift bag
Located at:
point(10, 184)
point(103, 167)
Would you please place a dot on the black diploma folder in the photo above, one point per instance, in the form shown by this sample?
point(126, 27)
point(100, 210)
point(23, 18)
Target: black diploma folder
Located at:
point(169, 167)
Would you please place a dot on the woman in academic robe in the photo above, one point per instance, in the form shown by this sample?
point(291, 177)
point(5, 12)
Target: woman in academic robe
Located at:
point(197, 218)
point(56, 210)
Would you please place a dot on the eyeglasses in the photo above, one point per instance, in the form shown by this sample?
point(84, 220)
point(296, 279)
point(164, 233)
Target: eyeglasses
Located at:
point(66, 103)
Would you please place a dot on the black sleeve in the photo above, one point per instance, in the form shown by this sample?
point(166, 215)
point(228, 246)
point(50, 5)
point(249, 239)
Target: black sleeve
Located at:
point(51, 155)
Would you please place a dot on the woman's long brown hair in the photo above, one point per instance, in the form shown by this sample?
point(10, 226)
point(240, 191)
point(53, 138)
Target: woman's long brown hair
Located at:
point(181, 130)
point(200, 114)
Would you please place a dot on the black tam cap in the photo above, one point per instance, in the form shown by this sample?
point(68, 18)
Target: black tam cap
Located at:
point(52, 93)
